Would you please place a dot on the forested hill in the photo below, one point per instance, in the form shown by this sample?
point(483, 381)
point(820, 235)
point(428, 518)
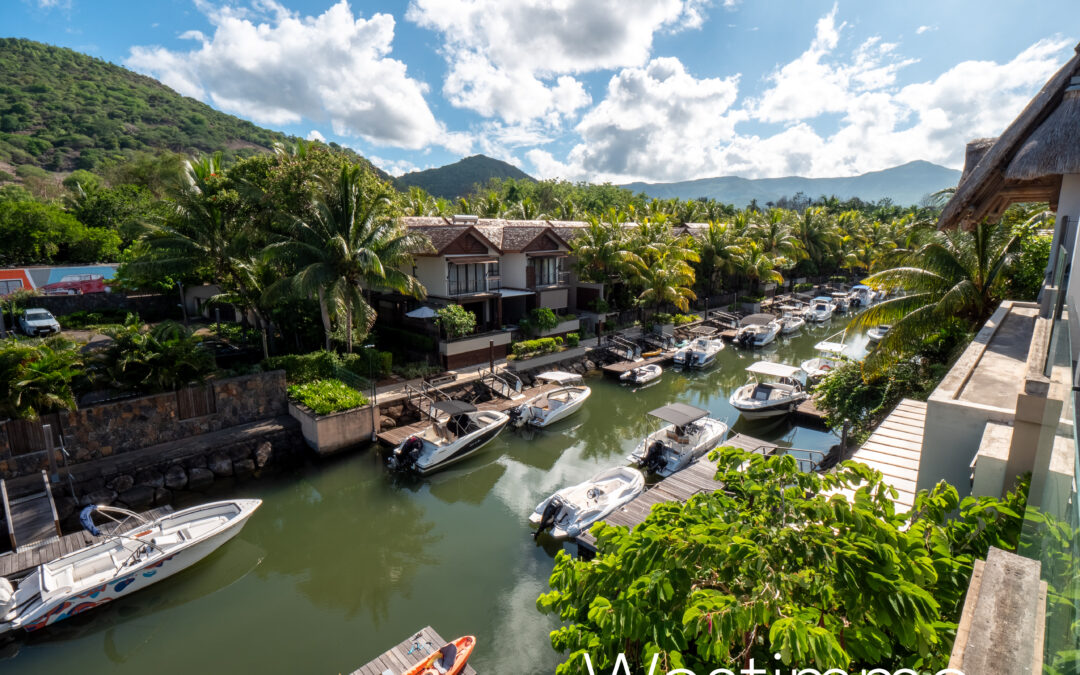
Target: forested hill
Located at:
point(460, 178)
point(61, 110)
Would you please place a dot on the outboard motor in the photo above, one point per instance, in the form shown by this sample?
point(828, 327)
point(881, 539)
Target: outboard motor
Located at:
point(746, 338)
point(653, 460)
point(547, 519)
point(405, 455)
point(517, 416)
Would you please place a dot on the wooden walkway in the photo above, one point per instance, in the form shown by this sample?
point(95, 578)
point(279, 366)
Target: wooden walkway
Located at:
point(694, 479)
point(617, 369)
point(895, 449)
point(394, 437)
point(807, 413)
point(17, 564)
point(406, 655)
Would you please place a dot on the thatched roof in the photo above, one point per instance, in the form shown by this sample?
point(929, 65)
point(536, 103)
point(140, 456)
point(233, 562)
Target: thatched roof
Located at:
point(974, 152)
point(984, 191)
point(1054, 148)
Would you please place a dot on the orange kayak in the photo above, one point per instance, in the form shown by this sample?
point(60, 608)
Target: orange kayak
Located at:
point(449, 660)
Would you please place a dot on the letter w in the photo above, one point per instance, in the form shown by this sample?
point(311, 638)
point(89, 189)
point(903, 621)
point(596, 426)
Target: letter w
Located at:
point(620, 661)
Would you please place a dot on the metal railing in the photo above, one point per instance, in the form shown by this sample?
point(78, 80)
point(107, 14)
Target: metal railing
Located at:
point(809, 463)
point(504, 384)
point(424, 398)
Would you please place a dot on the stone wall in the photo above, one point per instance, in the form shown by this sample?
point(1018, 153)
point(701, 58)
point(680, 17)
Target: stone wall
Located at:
point(109, 429)
point(148, 307)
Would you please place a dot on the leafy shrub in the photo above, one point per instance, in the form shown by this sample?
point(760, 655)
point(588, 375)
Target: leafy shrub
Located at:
point(805, 286)
point(751, 298)
point(682, 319)
point(456, 321)
point(661, 319)
point(303, 368)
point(365, 361)
point(37, 378)
point(236, 334)
point(327, 396)
point(600, 306)
point(165, 357)
point(572, 339)
point(84, 319)
point(843, 394)
point(538, 346)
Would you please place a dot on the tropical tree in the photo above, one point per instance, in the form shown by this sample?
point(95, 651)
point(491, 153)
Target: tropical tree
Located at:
point(718, 254)
point(352, 243)
point(817, 235)
point(668, 276)
point(601, 252)
point(953, 275)
point(757, 264)
point(37, 378)
point(147, 359)
point(776, 238)
point(778, 563)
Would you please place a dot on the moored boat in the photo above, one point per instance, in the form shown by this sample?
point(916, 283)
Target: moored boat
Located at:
point(450, 659)
point(830, 357)
point(445, 442)
point(792, 320)
point(757, 330)
point(642, 374)
point(688, 434)
point(134, 554)
point(572, 510)
point(878, 333)
point(774, 389)
point(555, 405)
point(821, 309)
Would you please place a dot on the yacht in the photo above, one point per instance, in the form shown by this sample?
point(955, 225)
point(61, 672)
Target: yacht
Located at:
point(792, 320)
point(757, 330)
point(830, 356)
point(688, 434)
point(445, 442)
point(133, 554)
point(555, 405)
point(877, 333)
point(572, 510)
point(821, 309)
point(774, 389)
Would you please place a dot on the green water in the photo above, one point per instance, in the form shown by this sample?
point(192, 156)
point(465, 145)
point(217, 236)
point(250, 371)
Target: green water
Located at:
point(341, 561)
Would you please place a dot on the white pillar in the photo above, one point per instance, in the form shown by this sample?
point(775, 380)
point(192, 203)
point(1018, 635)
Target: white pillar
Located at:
point(1069, 206)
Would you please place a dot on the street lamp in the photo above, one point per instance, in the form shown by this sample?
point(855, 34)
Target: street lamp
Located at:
point(371, 384)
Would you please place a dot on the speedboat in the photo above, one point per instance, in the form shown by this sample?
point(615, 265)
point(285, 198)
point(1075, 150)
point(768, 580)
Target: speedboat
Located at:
point(821, 309)
point(758, 330)
point(774, 389)
point(135, 553)
point(840, 302)
point(830, 357)
point(862, 295)
point(791, 321)
point(688, 434)
point(877, 333)
point(444, 442)
point(572, 510)
point(642, 374)
point(555, 405)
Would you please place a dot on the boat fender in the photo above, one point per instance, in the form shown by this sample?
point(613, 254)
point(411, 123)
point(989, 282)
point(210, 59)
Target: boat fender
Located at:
point(7, 598)
point(87, 520)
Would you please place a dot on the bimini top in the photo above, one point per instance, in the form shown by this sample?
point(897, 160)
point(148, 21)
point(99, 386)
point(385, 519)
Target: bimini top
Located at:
point(823, 298)
point(757, 320)
point(558, 377)
point(679, 414)
point(773, 369)
point(703, 331)
point(831, 347)
point(454, 407)
point(860, 287)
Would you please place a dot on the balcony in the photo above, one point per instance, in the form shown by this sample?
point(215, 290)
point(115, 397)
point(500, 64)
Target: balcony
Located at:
point(489, 284)
point(551, 281)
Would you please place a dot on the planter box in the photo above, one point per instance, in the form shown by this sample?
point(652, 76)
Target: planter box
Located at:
point(328, 434)
point(751, 307)
point(664, 330)
point(473, 350)
point(564, 327)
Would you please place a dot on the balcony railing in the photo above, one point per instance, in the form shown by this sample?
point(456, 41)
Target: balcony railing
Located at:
point(559, 279)
point(473, 286)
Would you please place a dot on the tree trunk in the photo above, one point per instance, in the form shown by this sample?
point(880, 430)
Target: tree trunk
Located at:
point(325, 312)
point(349, 327)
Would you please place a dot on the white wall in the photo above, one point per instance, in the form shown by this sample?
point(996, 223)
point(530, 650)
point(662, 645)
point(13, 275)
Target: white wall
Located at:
point(1069, 205)
point(512, 268)
point(431, 271)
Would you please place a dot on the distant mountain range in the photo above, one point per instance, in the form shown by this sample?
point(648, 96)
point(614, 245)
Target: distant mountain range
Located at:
point(460, 178)
point(906, 184)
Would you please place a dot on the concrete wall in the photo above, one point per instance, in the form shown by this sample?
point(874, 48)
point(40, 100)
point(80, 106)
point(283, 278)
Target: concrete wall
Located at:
point(328, 434)
point(554, 299)
point(148, 307)
point(110, 429)
point(512, 268)
point(431, 271)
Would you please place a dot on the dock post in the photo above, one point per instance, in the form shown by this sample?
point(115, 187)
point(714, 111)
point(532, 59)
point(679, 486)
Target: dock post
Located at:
point(844, 436)
point(54, 473)
point(491, 356)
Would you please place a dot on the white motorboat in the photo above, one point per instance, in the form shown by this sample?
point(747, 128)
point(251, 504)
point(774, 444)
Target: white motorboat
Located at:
point(757, 330)
point(791, 321)
point(841, 302)
point(555, 405)
point(774, 389)
point(445, 442)
point(642, 374)
point(132, 555)
point(821, 309)
point(830, 357)
point(572, 510)
point(688, 434)
point(862, 295)
point(877, 333)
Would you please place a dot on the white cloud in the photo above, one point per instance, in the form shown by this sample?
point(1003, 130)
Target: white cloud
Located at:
point(516, 60)
point(923, 29)
point(660, 123)
point(394, 167)
point(314, 135)
point(277, 67)
point(54, 4)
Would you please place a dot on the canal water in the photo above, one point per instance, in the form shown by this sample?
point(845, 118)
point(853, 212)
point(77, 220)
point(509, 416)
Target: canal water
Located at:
point(342, 561)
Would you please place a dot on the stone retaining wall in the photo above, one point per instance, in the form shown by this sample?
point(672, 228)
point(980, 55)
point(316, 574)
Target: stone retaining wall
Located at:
point(148, 307)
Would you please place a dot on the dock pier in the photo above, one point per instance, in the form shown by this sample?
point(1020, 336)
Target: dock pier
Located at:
point(399, 659)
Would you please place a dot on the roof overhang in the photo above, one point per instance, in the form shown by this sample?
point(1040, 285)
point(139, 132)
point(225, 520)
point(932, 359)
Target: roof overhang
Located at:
point(471, 259)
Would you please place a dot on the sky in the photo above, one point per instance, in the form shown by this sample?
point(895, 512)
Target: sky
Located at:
point(597, 90)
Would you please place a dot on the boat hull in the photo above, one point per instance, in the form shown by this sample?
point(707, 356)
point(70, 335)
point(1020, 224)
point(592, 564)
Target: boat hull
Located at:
point(561, 413)
point(467, 449)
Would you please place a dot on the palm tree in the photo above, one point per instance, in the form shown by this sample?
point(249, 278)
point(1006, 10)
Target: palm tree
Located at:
point(777, 239)
point(757, 264)
point(601, 252)
point(951, 276)
point(817, 234)
point(353, 243)
point(669, 277)
point(719, 253)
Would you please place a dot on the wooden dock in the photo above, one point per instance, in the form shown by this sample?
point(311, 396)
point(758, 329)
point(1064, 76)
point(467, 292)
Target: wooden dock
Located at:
point(807, 413)
point(404, 656)
point(694, 479)
point(393, 437)
point(895, 449)
point(617, 369)
point(17, 564)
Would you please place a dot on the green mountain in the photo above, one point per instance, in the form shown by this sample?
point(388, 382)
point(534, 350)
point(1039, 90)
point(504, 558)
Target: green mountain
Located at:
point(61, 110)
point(458, 179)
point(906, 185)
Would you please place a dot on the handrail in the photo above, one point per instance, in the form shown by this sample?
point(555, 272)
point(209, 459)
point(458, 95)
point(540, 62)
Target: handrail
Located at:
point(811, 465)
point(52, 503)
point(418, 397)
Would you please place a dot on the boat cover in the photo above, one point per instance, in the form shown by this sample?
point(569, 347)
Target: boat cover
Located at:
point(773, 369)
point(757, 320)
point(831, 347)
point(559, 377)
point(679, 414)
point(86, 518)
point(454, 407)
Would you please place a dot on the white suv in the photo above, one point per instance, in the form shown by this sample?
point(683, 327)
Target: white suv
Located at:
point(37, 321)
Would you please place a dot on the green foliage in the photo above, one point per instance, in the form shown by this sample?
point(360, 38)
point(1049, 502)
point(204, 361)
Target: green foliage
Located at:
point(327, 396)
point(86, 319)
point(1028, 266)
point(381, 363)
point(539, 346)
point(600, 306)
point(843, 394)
point(303, 368)
point(805, 286)
point(462, 177)
point(38, 377)
point(751, 297)
point(455, 320)
point(773, 564)
point(147, 360)
point(415, 369)
point(540, 319)
point(572, 339)
point(236, 334)
point(35, 233)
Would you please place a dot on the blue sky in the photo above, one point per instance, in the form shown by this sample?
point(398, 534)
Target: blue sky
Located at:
point(616, 90)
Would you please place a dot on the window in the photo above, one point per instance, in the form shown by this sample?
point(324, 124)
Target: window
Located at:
point(547, 271)
point(9, 286)
point(469, 278)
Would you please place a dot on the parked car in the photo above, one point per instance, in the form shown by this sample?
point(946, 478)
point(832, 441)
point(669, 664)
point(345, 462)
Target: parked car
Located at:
point(37, 321)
